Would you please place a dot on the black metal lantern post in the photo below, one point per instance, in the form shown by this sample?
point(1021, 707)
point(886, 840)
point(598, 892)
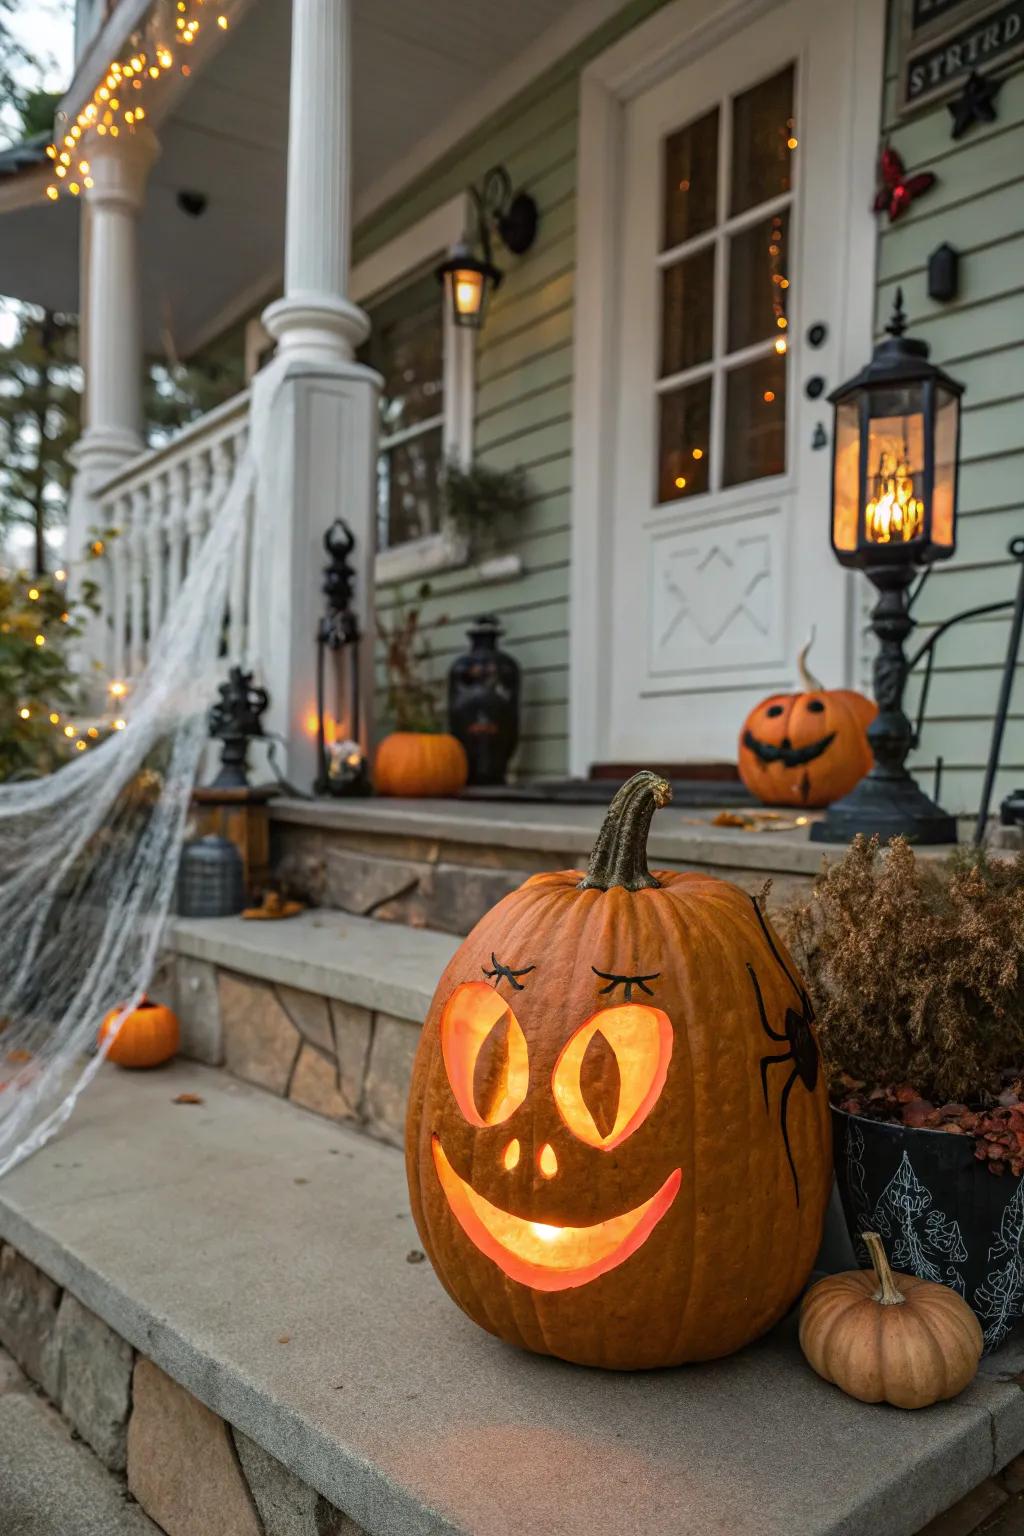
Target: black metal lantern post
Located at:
point(342, 766)
point(469, 279)
point(894, 490)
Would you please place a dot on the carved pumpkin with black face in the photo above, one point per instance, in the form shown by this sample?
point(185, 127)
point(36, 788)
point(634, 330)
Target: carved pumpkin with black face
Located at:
point(806, 749)
point(618, 1141)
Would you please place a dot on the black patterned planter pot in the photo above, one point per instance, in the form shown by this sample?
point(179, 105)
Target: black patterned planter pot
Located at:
point(940, 1213)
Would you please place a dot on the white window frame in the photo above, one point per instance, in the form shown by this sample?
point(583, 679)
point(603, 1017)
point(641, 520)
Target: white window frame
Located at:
point(403, 258)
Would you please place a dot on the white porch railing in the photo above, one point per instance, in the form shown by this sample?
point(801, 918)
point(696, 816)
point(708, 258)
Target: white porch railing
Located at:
point(159, 507)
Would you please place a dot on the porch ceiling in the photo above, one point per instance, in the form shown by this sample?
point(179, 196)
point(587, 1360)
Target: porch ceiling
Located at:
point(416, 70)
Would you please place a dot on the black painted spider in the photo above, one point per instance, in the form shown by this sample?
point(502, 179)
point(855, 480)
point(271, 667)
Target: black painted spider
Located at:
point(802, 1052)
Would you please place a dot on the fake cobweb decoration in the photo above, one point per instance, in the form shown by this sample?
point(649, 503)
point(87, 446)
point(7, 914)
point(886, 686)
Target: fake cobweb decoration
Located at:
point(89, 857)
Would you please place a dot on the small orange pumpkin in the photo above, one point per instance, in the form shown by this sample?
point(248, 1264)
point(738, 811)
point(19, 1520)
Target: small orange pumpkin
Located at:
point(809, 748)
point(148, 1036)
point(420, 764)
point(889, 1338)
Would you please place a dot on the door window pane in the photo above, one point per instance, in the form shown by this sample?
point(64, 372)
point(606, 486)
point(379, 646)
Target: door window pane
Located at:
point(687, 311)
point(763, 140)
point(758, 284)
point(755, 421)
point(691, 181)
point(408, 489)
point(684, 441)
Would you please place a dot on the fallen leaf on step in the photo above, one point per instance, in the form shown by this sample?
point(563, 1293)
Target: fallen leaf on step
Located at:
point(415, 1256)
point(188, 1098)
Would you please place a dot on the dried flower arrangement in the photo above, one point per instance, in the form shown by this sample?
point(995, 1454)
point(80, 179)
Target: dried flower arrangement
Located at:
point(412, 699)
point(916, 970)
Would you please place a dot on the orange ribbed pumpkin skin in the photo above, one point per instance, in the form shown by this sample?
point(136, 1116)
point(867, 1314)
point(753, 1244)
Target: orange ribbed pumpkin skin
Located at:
point(910, 1355)
point(420, 765)
point(148, 1037)
point(734, 1249)
point(828, 722)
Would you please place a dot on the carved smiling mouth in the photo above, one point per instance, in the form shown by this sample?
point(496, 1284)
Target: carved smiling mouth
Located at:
point(792, 757)
point(550, 1258)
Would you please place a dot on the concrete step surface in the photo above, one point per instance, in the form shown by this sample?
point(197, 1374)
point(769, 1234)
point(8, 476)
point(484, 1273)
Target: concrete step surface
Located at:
point(265, 1259)
point(51, 1484)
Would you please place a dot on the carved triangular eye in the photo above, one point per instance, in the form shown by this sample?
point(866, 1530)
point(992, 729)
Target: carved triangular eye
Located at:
point(601, 1083)
point(490, 1075)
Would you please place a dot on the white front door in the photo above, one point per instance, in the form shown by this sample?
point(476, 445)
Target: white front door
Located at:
point(731, 288)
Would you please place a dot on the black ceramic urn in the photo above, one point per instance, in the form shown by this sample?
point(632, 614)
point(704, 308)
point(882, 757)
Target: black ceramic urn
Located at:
point(483, 703)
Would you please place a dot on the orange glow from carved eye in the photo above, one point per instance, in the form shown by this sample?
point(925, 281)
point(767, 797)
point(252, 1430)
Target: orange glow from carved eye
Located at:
point(510, 1157)
point(611, 1072)
point(485, 1054)
point(542, 1255)
point(547, 1162)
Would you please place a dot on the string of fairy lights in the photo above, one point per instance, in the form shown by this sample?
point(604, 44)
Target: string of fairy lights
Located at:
point(81, 735)
point(119, 102)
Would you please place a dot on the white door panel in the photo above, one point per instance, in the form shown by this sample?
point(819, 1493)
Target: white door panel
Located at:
point(732, 240)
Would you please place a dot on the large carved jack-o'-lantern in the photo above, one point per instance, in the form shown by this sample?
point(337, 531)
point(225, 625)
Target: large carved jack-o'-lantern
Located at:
point(618, 1141)
point(808, 748)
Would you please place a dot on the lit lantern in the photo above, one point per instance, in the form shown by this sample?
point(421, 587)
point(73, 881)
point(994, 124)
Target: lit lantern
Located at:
point(572, 1175)
point(897, 432)
point(468, 283)
point(894, 486)
point(468, 279)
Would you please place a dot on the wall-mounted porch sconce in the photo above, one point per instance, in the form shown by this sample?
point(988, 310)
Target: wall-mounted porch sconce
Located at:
point(469, 279)
point(894, 487)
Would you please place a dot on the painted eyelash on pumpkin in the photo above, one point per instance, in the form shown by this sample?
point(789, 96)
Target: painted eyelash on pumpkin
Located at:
point(629, 982)
point(506, 973)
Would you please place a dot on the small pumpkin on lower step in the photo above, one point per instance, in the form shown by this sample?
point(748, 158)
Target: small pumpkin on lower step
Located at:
point(889, 1338)
point(147, 1037)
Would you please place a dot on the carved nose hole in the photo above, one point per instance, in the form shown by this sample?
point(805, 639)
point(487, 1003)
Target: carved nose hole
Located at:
point(786, 743)
point(510, 1156)
point(547, 1162)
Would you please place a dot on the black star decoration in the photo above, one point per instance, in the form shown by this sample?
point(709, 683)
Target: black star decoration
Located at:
point(975, 104)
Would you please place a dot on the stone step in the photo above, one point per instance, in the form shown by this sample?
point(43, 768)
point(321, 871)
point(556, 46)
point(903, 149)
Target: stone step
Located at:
point(266, 1262)
point(443, 863)
point(324, 1009)
point(50, 1483)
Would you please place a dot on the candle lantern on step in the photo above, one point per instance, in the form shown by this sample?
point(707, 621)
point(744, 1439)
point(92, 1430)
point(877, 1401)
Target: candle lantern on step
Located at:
point(894, 493)
point(483, 703)
point(342, 766)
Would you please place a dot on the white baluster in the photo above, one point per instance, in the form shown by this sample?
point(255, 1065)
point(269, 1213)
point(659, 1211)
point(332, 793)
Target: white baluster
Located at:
point(176, 507)
point(136, 563)
point(120, 518)
point(195, 517)
point(239, 567)
point(154, 553)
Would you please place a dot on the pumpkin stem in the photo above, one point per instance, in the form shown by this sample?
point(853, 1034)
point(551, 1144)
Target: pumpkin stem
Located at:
point(887, 1292)
point(808, 680)
point(620, 852)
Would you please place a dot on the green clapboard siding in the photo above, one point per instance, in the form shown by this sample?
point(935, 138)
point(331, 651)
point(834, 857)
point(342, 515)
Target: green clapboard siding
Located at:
point(523, 414)
point(977, 205)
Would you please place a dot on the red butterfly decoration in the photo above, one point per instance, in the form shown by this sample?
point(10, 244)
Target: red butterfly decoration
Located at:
point(898, 190)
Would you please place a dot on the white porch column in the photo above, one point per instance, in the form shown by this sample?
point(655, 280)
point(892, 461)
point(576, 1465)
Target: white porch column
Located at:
point(314, 407)
point(111, 325)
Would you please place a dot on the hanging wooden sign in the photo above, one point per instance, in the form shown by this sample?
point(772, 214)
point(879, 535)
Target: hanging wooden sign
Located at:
point(942, 42)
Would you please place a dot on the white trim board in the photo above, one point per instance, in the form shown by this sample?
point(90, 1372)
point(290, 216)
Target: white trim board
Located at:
point(670, 39)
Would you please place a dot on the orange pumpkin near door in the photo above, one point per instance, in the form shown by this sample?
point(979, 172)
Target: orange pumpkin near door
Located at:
point(420, 764)
point(806, 749)
point(148, 1036)
point(618, 1141)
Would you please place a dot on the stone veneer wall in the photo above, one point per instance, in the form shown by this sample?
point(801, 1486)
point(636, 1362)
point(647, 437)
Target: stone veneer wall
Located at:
point(190, 1470)
point(349, 1063)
